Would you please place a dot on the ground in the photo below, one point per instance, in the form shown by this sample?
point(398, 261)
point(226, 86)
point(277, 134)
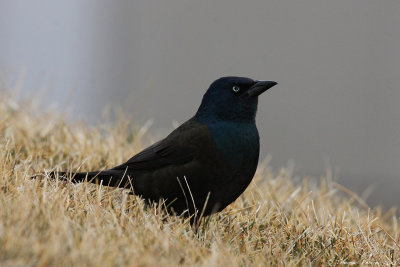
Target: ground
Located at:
point(279, 220)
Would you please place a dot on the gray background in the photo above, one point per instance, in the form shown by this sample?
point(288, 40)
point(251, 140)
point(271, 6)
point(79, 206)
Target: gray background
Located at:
point(337, 64)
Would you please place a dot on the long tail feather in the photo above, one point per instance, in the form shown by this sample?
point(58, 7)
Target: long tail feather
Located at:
point(114, 178)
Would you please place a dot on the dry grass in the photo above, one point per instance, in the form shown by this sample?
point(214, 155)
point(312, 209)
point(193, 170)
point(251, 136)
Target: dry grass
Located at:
point(276, 221)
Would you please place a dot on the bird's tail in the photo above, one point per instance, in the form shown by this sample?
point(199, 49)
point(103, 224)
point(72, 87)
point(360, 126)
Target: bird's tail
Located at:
point(114, 178)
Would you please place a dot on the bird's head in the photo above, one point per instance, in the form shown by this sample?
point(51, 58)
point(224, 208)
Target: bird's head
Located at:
point(232, 99)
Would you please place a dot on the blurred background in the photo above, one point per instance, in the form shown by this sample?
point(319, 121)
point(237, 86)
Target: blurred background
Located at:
point(337, 64)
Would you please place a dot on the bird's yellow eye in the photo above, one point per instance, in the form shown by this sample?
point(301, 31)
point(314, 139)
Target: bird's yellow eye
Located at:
point(236, 88)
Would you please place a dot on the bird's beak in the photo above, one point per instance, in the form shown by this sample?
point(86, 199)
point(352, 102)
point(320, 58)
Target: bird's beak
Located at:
point(258, 88)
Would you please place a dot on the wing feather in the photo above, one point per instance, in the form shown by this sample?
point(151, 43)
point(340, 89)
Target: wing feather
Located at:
point(176, 149)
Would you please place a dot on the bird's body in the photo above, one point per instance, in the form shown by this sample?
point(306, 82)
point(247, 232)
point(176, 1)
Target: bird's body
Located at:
point(204, 164)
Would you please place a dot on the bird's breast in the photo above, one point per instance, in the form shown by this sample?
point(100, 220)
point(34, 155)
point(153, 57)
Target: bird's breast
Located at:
point(238, 142)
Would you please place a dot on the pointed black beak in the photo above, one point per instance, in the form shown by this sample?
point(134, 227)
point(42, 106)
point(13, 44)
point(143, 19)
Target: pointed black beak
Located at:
point(258, 88)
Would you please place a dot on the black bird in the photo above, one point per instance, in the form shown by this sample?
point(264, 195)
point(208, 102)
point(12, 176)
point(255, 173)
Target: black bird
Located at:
point(204, 164)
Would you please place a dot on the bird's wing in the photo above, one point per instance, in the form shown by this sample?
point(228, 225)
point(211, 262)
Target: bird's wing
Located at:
point(158, 155)
point(176, 149)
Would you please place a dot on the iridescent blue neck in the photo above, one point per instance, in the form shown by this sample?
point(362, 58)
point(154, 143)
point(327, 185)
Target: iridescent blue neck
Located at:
point(211, 112)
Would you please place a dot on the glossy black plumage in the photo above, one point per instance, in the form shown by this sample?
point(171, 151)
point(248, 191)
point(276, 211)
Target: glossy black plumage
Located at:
point(210, 159)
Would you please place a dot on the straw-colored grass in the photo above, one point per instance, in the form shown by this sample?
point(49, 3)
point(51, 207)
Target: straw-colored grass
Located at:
point(44, 222)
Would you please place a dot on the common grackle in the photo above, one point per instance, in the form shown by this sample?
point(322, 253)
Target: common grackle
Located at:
point(204, 164)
